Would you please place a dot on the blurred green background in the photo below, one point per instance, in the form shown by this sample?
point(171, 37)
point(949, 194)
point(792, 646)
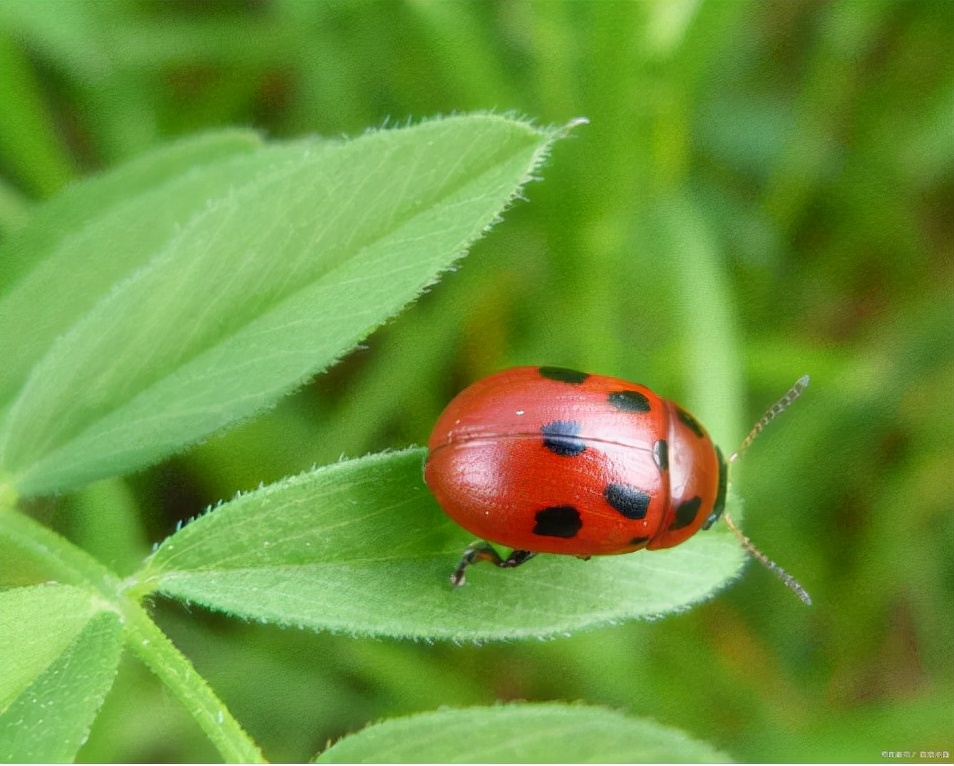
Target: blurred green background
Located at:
point(789, 164)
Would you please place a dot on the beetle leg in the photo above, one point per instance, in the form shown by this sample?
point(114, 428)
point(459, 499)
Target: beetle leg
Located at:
point(481, 551)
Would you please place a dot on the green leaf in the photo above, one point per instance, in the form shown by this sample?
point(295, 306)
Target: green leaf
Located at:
point(362, 547)
point(95, 234)
point(521, 733)
point(268, 283)
point(60, 655)
point(55, 612)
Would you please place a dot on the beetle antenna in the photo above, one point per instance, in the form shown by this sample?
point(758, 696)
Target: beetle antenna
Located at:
point(770, 414)
point(765, 561)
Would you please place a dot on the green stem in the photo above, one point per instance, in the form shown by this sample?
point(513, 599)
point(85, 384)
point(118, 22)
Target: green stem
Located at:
point(155, 649)
point(62, 561)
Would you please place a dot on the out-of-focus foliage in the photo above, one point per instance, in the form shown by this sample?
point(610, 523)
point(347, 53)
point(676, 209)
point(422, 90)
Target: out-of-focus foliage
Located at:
point(764, 190)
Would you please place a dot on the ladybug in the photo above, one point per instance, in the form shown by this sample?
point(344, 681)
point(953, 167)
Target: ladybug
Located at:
point(551, 460)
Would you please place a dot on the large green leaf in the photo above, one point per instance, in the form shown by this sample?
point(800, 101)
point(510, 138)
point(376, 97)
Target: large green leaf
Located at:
point(361, 547)
point(304, 249)
point(97, 233)
point(60, 655)
point(521, 733)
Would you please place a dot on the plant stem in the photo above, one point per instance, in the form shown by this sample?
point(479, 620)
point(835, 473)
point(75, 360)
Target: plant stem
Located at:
point(154, 648)
point(62, 561)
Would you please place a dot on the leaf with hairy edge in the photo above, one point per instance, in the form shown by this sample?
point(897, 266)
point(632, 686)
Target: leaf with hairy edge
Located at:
point(267, 283)
point(362, 547)
point(521, 733)
point(96, 233)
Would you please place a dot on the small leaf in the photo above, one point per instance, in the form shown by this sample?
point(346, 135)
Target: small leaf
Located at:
point(362, 547)
point(521, 733)
point(60, 655)
point(57, 613)
point(272, 280)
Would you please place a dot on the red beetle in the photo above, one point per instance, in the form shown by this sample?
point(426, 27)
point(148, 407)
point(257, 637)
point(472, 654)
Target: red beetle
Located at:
point(551, 460)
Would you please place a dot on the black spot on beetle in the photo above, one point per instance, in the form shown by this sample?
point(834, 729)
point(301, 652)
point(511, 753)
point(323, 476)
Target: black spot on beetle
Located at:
point(558, 521)
point(690, 421)
point(629, 401)
point(630, 501)
point(564, 375)
point(686, 513)
point(563, 437)
point(719, 505)
point(639, 541)
point(661, 454)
